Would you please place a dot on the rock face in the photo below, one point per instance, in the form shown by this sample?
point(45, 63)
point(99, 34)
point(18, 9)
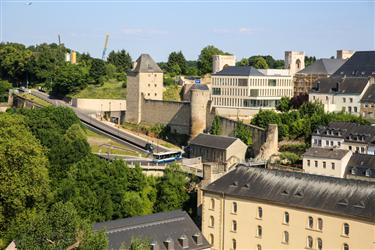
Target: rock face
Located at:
point(271, 146)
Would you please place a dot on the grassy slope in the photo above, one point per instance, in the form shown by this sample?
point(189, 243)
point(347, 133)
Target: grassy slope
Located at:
point(111, 89)
point(172, 93)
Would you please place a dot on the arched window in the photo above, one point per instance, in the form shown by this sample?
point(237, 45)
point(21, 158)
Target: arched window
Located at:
point(212, 204)
point(286, 217)
point(345, 246)
point(234, 226)
point(310, 222)
point(211, 239)
point(345, 229)
point(234, 207)
point(298, 63)
point(259, 247)
point(234, 244)
point(212, 222)
point(260, 212)
point(309, 242)
point(286, 237)
point(319, 243)
point(259, 231)
point(320, 224)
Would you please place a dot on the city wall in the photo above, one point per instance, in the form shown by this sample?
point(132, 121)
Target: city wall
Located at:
point(99, 105)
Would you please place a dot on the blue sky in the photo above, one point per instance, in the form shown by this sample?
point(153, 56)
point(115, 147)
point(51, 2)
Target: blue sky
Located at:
point(241, 27)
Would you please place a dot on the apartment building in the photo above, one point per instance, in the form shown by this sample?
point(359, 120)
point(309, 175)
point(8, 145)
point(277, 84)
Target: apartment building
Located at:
point(243, 88)
point(255, 208)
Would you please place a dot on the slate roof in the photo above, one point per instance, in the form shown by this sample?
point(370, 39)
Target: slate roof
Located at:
point(200, 86)
point(369, 96)
point(238, 71)
point(361, 63)
point(350, 132)
point(145, 64)
point(323, 67)
point(213, 141)
point(327, 153)
point(155, 228)
point(306, 191)
point(360, 163)
point(346, 85)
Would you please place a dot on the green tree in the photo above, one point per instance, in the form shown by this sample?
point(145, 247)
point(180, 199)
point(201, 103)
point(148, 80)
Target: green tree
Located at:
point(110, 71)
point(205, 58)
point(243, 62)
point(242, 132)
point(309, 60)
point(310, 108)
point(97, 71)
point(69, 79)
point(258, 62)
point(176, 64)
point(121, 59)
point(284, 104)
point(265, 117)
point(216, 126)
point(14, 59)
point(4, 88)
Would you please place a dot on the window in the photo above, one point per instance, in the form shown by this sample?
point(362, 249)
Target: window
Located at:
point(320, 224)
point(234, 244)
point(345, 246)
point(156, 94)
point(259, 231)
point(211, 239)
point(259, 247)
point(362, 149)
point(211, 224)
point(286, 217)
point(309, 242)
point(316, 164)
point(338, 143)
point(310, 222)
point(331, 143)
point(212, 204)
point(234, 207)
point(324, 164)
point(148, 94)
point(327, 143)
point(345, 229)
point(155, 85)
point(319, 243)
point(343, 99)
point(350, 147)
point(285, 237)
point(242, 82)
point(333, 165)
point(355, 109)
point(349, 109)
point(260, 212)
point(350, 99)
point(308, 163)
point(272, 82)
point(234, 226)
point(149, 85)
point(216, 91)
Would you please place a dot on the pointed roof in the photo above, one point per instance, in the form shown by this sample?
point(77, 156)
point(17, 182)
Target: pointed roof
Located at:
point(239, 71)
point(362, 63)
point(323, 67)
point(145, 64)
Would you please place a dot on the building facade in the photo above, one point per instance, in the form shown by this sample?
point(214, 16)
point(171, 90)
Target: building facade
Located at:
point(221, 61)
point(368, 103)
point(254, 208)
point(294, 61)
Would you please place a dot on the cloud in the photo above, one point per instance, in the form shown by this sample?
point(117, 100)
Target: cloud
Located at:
point(246, 30)
point(241, 30)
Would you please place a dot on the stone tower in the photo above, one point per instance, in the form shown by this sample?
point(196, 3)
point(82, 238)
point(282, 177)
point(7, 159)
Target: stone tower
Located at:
point(294, 61)
point(200, 96)
point(145, 81)
point(344, 54)
point(221, 61)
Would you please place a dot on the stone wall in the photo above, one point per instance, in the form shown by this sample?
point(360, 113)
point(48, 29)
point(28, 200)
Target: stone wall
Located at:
point(271, 145)
point(99, 105)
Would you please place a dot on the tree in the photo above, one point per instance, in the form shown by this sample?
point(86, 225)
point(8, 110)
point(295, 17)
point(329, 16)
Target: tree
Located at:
point(265, 117)
point(242, 132)
point(258, 62)
point(284, 104)
point(4, 88)
point(243, 62)
point(309, 60)
point(121, 59)
point(310, 108)
point(69, 79)
point(176, 64)
point(216, 126)
point(97, 71)
point(205, 58)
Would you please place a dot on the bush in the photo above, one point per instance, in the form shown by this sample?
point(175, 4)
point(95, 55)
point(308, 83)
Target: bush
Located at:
point(292, 158)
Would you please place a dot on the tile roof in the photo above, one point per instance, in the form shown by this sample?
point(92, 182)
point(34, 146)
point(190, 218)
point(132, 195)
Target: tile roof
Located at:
point(361, 165)
point(362, 63)
point(306, 191)
point(157, 228)
point(238, 71)
point(346, 85)
point(323, 67)
point(213, 141)
point(369, 95)
point(327, 153)
point(145, 64)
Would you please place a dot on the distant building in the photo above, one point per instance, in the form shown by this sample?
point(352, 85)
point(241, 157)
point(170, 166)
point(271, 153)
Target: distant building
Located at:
point(367, 103)
point(294, 61)
point(360, 64)
point(344, 54)
point(345, 135)
point(219, 62)
point(322, 68)
point(256, 208)
point(361, 167)
point(221, 149)
point(173, 230)
point(245, 90)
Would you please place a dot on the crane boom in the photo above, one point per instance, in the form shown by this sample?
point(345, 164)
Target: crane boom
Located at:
point(105, 46)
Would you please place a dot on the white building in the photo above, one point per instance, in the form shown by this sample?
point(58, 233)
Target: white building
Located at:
point(245, 90)
point(221, 61)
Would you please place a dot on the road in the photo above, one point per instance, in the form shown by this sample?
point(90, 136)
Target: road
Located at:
point(127, 138)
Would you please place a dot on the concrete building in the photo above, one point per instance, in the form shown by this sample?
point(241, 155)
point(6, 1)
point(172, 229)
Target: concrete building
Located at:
point(345, 135)
point(220, 149)
point(294, 61)
point(322, 68)
point(219, 62)
point(245, 90)
point(255, 208)
point(173, 230)
point(324, 161)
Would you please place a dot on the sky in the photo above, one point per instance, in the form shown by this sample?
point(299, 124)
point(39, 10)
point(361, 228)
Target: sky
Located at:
point(158, 27)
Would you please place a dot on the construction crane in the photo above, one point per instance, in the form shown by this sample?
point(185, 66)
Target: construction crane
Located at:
point(105, 46)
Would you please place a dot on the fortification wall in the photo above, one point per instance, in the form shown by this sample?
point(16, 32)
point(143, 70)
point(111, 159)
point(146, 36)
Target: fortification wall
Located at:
point(99, 105)
point(174, 114)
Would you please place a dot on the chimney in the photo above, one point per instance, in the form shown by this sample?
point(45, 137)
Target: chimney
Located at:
point(154, 245)
point(169, 244)
point(183, 240)
point(198, 239)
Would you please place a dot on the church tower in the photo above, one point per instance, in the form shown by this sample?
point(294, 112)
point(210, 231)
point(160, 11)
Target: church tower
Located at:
point(294, 61)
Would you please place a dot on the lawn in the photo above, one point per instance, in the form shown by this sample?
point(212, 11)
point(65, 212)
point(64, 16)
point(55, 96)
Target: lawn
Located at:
point(111, 89)
point(35, 99)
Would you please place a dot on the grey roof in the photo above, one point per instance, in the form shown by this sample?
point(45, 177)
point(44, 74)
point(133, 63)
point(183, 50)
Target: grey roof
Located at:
point(360, 163)
point(320, 193)
point(155, 228)
point(200, 87)
point(213, 141)
point(346, 85)
point(351, 132)
point(327, 153)
point(362, 63)
point(145, 64)
point(369, 95)
point(238, 71)
point(323, 67)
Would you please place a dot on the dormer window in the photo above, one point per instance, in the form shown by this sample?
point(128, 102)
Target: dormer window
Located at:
point(368, 172)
